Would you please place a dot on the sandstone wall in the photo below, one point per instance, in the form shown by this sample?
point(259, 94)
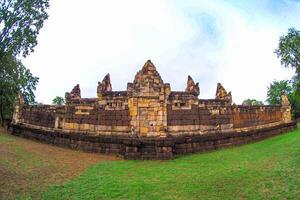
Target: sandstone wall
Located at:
point(148, 148)
point(39, 115)
point(79, 116)
point(212, 115)
point(116, 116)
point(247, 116)
point(96, 118)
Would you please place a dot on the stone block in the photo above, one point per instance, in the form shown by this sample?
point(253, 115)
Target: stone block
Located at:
point(144, 130)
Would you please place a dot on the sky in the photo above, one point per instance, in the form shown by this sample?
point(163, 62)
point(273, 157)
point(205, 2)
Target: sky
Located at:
point(226, 41)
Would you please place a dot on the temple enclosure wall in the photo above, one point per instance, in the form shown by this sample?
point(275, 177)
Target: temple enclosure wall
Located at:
point(145, 147)
point(99, 120)
point(148, 120)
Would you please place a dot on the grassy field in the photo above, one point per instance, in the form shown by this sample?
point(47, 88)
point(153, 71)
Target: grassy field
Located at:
point(269, 169)
point(27, 167)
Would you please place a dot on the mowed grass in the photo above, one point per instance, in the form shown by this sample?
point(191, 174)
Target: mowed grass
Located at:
point(269, 169)
point(28, 167)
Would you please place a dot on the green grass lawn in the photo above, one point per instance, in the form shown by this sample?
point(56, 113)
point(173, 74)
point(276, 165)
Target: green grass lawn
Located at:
point(269, 169)
point(27, 167)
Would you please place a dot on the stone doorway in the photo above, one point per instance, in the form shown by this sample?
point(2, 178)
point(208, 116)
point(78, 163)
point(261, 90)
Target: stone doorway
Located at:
point(147, 120)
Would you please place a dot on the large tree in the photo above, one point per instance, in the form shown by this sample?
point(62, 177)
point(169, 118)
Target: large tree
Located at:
point(20, 23)
point(289, 53)
point(289, 50)
point(276, 89)
point(14, 78)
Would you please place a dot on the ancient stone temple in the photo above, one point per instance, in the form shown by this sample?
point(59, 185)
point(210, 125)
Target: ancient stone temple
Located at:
point(149, 120)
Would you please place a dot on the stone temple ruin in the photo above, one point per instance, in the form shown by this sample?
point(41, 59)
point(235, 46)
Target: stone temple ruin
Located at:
point(149, 120)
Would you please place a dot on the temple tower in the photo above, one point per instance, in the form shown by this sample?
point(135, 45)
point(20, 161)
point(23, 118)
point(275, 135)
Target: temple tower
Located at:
point(147, 102)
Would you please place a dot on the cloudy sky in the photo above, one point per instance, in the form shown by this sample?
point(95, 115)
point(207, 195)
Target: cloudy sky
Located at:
point(231, 42)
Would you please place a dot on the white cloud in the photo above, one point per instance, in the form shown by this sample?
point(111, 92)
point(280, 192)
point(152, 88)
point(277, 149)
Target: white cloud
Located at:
point(82, 41)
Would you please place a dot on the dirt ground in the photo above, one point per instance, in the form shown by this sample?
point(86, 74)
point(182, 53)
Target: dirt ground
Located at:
point(28, 167)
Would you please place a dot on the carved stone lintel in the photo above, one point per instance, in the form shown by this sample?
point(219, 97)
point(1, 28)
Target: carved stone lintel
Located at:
point(192, 87)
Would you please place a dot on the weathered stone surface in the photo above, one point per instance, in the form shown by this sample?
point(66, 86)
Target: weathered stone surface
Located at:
point(192, 87)
point(132, 147)
point(147, 82)
point(221, 93)
point(17, 108)
point(74, 94)
point(286, 108)
point(147, 102)
point(284, 100)
point(104, 86)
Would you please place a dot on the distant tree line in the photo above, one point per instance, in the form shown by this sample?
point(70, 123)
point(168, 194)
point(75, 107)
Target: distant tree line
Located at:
point(252, 102)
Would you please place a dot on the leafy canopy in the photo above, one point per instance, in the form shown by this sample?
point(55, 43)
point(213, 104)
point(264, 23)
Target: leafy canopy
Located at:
point(20, 23)
point(289, 49)
point(289, 53)
point(276, 89)
point(14, 78)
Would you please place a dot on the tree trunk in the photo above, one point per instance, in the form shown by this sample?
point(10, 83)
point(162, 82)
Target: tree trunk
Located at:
point(1, 116)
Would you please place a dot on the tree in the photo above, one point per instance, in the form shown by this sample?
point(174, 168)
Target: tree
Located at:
point(276, 89)
point(294, 99)
point(252, 102)
point(58, 101)
point(20, 23)
point(289, 50)
point(289, 53)
point(14, 78)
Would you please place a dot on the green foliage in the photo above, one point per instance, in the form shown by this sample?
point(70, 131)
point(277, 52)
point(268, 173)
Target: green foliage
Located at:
point(58, 100)
point(265, 170)
point(289, 49)
point(20, 23)
point(252, 102)
point(294, 99)
point(289, 53)
point(14, 77)
point(276, 89)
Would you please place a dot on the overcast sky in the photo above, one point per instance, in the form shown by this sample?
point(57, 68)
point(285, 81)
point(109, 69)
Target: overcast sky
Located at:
point(213, 41)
